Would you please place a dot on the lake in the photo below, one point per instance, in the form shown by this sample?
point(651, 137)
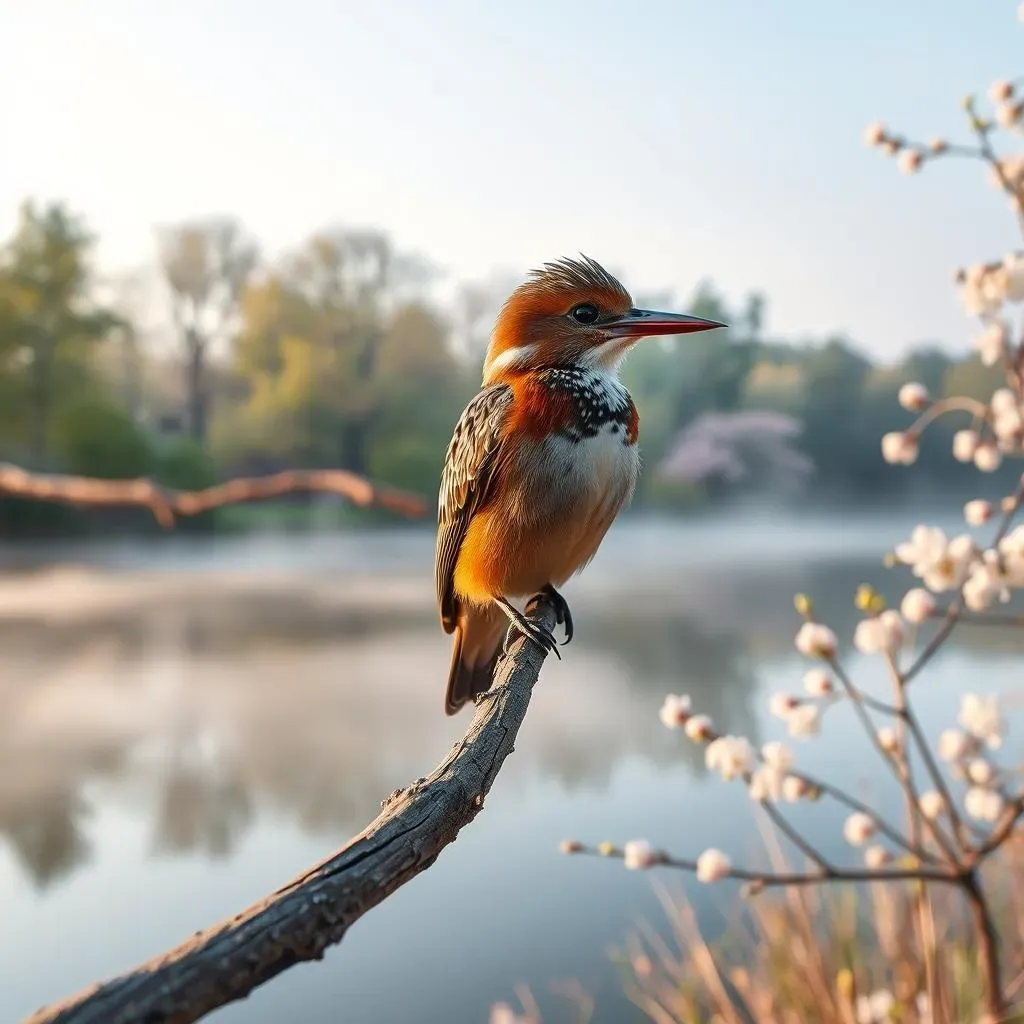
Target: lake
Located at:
point(186, 724)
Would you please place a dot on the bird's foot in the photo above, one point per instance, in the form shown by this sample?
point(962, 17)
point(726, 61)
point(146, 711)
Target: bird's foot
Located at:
point(538, 634)
point(562, 614)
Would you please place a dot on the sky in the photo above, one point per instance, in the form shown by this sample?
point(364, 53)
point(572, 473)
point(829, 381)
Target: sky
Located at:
point(672, 140)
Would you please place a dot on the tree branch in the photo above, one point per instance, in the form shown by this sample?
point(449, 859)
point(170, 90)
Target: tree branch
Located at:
point(315, 910)
point(166, 505)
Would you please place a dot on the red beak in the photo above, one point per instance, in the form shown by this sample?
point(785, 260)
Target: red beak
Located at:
point(645, 323)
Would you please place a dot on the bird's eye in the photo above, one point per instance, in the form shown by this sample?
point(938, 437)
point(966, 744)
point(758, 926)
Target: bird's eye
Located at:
point(584, 313)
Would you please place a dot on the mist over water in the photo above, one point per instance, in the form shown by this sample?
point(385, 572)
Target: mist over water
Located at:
point(186, 725)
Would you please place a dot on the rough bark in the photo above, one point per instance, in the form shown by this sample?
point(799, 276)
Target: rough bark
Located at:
point(166, 505)
point(302, 919)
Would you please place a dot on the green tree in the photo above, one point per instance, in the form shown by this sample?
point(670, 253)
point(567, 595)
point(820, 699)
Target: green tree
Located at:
point(48, 320)
point(97, 437)
point(341, 357)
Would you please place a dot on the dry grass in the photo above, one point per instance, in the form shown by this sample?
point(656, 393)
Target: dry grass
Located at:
point(817, 955)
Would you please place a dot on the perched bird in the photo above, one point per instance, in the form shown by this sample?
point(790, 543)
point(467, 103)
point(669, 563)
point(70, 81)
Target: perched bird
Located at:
point(540, 462)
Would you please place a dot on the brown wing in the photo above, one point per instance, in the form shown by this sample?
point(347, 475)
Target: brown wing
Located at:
point(468, 470)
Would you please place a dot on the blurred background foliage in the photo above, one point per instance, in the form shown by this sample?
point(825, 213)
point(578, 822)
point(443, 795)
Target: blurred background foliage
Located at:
point(219, 363)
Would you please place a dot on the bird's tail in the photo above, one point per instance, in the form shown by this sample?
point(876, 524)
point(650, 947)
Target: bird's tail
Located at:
point(475, 649)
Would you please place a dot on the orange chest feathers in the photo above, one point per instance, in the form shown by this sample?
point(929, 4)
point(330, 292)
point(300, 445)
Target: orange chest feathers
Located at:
point(572, 404)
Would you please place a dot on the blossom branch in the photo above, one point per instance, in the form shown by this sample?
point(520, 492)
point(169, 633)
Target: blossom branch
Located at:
point(735, 758)
point(765, 879)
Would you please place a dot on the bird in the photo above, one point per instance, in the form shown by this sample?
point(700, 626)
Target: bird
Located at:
point(540, 463)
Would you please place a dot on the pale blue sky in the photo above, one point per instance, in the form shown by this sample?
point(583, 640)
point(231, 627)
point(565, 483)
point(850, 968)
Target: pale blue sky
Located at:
point(671, 140)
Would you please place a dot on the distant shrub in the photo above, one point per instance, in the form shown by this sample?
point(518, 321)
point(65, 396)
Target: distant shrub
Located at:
point(96, 437)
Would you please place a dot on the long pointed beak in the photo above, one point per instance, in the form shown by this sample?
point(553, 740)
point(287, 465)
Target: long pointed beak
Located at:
point(645, 323)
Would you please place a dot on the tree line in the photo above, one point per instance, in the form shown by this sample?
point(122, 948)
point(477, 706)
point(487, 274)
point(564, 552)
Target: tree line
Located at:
point(218, 362)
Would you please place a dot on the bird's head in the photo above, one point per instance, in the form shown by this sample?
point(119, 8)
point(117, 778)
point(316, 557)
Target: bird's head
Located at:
point(574, 313)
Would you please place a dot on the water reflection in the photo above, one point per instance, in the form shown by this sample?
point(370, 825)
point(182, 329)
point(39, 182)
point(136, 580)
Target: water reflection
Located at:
point(199, 700)
point(188, 725)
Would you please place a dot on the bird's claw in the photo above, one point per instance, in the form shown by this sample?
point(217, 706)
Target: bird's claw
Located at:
point(538, 634)
point(562, 614)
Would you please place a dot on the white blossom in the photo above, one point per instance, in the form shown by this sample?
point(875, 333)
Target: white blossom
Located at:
point(931, 804)
point(502, 1013)
point(766, 783)
point(980, 717)
point(900, 448)
point(859, 828)
point(777, 754)
point(713, 866)
point(730, 755)
point(882, 634)
point(917, 606)
point(1013, 264)
point(977, 512)
point(950, 570)
point(698, 727)
point(874, 135)
point(875, 1008)
point(1008, 114)
point(888, 739)
point(875, 856)
point(981, 291)
point(1000, 90)
point(987, 457)
point(980, 771)
point(910, 161)
point(991, 343)
point(913, 397)
point(953, 745)
point(815, 640)
point(924, 1008)
point(965, 444)
point(638, 855)
point(925, 549)
point(983, 804)
point(675, 711)
point(817, 683)
point(781, 704)
point(794, 788)
point(1011, 552)
point(1006, 418)
point(804, 720)
point(986, 583)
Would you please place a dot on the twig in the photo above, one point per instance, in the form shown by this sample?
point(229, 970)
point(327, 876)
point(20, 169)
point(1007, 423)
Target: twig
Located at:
point(770, 879)
point(315, 910)
point(901, 772)
point(984, 618)
point(988, 948)
point(166, 504)
point(907, 724)
point(936, 775)
point(780, 822)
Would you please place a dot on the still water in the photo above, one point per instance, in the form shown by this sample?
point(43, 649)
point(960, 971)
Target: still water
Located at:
point(185, 725)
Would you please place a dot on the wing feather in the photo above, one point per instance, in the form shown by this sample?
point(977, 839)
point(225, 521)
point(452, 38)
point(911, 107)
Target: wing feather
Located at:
point(468, 471)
